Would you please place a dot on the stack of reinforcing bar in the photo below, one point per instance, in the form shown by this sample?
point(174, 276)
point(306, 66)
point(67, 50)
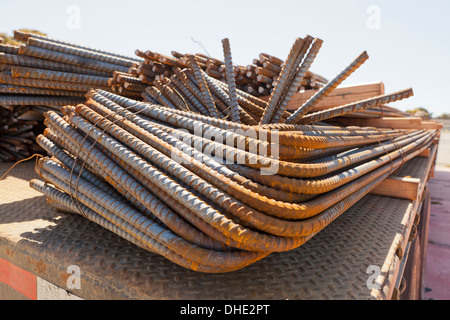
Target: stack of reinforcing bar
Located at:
point(214, 194)
point(19, 127)
point(158, 70)
point(45, 74)
point(48, 73)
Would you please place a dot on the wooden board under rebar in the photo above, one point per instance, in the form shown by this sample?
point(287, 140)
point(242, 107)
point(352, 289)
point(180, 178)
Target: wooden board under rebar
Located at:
point(339, 96)
point(338, 263)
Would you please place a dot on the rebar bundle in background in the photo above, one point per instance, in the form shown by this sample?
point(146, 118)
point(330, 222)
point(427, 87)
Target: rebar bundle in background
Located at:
point(211, 177)
point(50, 73)
point(44, 74)
point(258, 78)
point(19, 127)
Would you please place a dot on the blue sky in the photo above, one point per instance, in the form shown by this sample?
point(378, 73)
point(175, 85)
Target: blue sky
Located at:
point(407, 41)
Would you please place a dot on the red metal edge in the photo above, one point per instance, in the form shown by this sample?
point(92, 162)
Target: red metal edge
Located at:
point(18, 279)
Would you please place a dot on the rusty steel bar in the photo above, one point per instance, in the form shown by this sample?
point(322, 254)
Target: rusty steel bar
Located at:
point(235, 117)
point(159, 96)
point(190, 235)
point(288, 69)
point(201, 82)
point(297, 80)
point(23, 72)
point(32, 62)
point(30, 100)
point(47, 84)
point(223, 95)
point(293, 140)
point(70, 59)
point(12, 89)
point(314, 225)
point(24, 37)
point(189, 95)
point(58, 197)
point(252, 240)
point(329, 87)
point(261, 244)
point(356, 106)
point(174, 118)
point(212, 172)
point(9, 49)
point(174, 96)
point(40, 43)
point(322, 185)
point(193, 89)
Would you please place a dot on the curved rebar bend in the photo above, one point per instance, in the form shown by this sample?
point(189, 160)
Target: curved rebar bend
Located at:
point(253, 240)
point(173, 168)
point(141, 239)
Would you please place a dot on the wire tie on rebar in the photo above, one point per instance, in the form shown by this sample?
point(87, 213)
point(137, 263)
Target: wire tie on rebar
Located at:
point(37, 155)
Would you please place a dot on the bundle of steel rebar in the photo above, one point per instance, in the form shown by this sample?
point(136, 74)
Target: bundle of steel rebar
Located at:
point(51, 73)
point(262, 74)
point(215, 187)
point(19, 127)
point(127, 84)
point(257, 79)
point(167, 181)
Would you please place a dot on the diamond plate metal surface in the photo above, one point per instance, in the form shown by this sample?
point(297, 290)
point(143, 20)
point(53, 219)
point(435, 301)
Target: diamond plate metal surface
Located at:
point(414, 168)
point(332, 265)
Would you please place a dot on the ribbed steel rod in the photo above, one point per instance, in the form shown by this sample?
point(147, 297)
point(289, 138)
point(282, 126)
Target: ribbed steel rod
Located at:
point(329, 87)
point(47, 84)
point(70, 59)
point(282, 81)
point(40, 43)
point(23, 72)
point(234, 106)
point(24, 37)
point(32, 62)
point(206, 94)
point(224, 96)
point(297, 80)
point(321, 185)
point(296, 138)
point(31, 100)
point(228, 186)
point(12, 89)
point(248, 144)
point(142, 202)
point(189, 95)
point(355, 106)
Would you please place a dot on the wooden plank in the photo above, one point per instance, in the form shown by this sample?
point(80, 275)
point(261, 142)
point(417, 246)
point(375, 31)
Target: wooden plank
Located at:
point(398, 187)
point(407, 187)
point(425, 153)
point(431, 125)
point(339, 96)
